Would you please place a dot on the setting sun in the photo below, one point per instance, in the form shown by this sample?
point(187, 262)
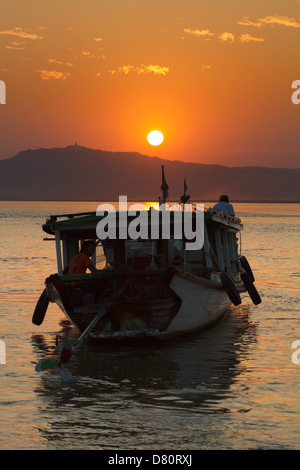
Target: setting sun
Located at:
point(155, 138)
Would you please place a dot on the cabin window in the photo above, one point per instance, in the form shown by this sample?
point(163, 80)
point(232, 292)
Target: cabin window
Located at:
point(175, 252)
point(105, 255)
point(140, 254)
point(193, 261)
point(102, 259)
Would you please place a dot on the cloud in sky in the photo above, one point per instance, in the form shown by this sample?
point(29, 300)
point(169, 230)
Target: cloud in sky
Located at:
point(59, 62)
point(15, 47)
point(156, 69)
point(199, 32)
point(88, 54)
point(20, 33)
point(247, 38)
point(282, 20)
point(92, 55)
point(247, 22)
point(53, 74)
point(225, 37)
point(271, 20)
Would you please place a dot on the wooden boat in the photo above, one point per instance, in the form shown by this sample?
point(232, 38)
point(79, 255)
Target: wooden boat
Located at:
point(147, 288)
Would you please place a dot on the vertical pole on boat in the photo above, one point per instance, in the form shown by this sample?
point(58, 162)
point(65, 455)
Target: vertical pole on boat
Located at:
point(65, 253)
point(184, 200)
point(226, 252)
point(207, 254)
point(233, 252)
point(186, 197)
point(153, 254)
point(58, 252)
point(220, 254)
point(184, 188)
point(185, 260)
point(94, 255)
point(164, 186)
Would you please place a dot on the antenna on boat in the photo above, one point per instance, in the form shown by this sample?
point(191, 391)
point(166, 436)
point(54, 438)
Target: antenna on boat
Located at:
point(186, 197)
point(164, 187)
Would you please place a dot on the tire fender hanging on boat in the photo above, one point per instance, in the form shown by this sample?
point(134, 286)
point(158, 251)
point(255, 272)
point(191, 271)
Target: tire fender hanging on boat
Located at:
point(251, 289)
point(246, 266)
point(230, 288)
point(41, 308)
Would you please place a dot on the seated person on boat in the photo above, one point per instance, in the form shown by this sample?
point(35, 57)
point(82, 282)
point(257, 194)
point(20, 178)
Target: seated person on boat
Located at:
point(79, 264)
point(224, 206)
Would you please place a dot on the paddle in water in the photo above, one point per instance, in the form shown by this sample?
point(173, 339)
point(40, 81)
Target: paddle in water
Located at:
point(51, 363)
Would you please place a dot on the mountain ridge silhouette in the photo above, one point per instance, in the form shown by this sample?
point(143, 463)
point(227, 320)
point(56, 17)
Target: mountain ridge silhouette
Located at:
point(78, 173)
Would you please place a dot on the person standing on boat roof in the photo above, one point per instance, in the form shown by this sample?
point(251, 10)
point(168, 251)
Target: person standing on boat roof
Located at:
point(224, 206)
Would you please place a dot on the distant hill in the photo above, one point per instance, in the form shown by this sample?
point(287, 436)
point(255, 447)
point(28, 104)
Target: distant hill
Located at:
point(81, 174)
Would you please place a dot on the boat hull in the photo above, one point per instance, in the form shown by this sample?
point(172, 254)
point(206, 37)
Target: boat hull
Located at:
point(202, 304)
point(191, 303)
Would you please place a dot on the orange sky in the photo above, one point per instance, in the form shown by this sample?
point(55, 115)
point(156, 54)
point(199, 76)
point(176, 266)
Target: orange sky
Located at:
point(214, 76)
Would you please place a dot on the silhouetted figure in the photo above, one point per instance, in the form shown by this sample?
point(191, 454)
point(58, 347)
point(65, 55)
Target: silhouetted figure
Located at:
point(79, 264)
point(224, 206)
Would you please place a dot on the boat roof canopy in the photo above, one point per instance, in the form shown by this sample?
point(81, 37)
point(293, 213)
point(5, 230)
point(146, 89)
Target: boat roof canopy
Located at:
point(84, 224)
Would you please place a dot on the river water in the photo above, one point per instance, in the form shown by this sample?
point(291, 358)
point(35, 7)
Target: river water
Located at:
point(234, 386)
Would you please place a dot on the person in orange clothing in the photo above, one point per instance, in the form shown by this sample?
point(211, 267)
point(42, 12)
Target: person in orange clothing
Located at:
point(80, 262)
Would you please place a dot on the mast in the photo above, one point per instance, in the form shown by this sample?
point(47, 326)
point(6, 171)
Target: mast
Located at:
point(164, 187)
point(186, 197)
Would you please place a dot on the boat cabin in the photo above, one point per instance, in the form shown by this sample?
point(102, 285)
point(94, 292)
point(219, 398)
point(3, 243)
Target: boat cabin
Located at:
point(219, 251)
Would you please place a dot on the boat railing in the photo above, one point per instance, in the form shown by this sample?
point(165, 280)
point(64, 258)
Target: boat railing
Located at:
point(215, 212)
point(222, 215)
point(195, 207)
point(53, 218)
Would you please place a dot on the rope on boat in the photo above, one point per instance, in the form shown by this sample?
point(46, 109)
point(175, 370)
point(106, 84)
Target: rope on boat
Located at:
point(68, 347)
